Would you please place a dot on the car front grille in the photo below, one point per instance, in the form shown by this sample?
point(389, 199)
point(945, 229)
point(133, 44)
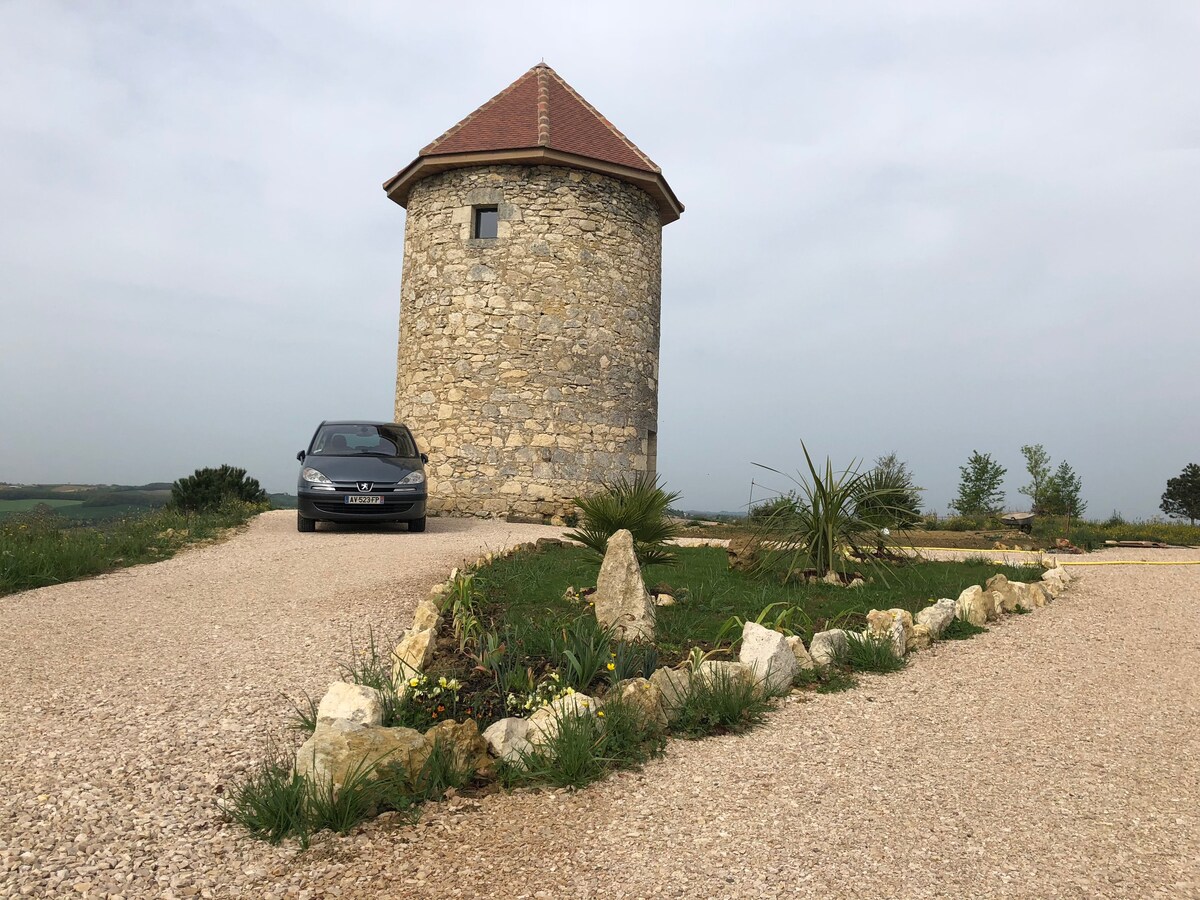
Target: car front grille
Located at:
point(364, 509)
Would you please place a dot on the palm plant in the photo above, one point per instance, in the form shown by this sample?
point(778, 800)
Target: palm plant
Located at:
point(640, 505)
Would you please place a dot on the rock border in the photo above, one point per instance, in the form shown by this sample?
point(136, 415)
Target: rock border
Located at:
point(349, 726)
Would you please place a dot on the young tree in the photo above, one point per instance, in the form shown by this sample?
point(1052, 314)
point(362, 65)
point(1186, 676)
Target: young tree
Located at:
point(890, 497)
point(1037, 464)
point(1181, 499)
point(1063, 493)
point(979, 486)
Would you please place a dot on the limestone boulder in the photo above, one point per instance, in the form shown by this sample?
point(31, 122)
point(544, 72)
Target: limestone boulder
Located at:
point(412, 654)
point(543, 724)
point(1023, 595)
point(1052, 588)
point(719, 672)
point(339, 748)
point(1037, 595)
point(768, 657)
point(937, 618)
point(673, 686)
point(743, 553)
point(463, 740)
point(920, 638)
point(972, 606)
point(641, 694)
point(827, 647)
point(622, 601)
point(1007, 597)
point(803, 660)
point(427, 617)
point(508, 739)
point(352, 702)
point(664, 600)
point(892, 625)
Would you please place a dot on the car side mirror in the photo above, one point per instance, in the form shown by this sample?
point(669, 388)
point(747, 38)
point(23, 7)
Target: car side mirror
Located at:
point(300, 456)
point(424, 457)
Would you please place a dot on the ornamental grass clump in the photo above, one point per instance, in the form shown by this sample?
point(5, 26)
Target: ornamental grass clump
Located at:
point(871, 653)
point(719, 703)
point(271, 801)
point(640, 505)
point(960, 630)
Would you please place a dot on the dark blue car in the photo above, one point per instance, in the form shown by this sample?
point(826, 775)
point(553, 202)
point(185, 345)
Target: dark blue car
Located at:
point(361, 472)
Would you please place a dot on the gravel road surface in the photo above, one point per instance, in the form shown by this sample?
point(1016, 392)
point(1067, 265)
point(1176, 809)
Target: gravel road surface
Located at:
point(1054, 756)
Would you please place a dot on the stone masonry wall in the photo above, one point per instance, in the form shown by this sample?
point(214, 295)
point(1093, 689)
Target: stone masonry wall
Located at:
point(528, 364)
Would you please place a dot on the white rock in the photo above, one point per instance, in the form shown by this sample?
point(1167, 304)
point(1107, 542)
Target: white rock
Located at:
point(508, 739)
point(352, 702)
point(803, 660)
point(827, 646)
point(1037, 595)
point(340, 747)
point(664, 600)
point(1023, 595)
point(971, 606)
point(426, 616)
point(543, 724)
point(412, 654)
point(1052, 587)
point(621, 597)
point(1007, 597)
point(920, 638)
point(641, 694)
point(767, 655)
point(673, 686)
point(893, 625)
point(937, 618)
point(719, 672)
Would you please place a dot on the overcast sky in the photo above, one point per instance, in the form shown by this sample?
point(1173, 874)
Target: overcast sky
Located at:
point(927, 227)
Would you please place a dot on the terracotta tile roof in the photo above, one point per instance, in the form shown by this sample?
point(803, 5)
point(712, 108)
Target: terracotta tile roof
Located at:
point(539, 109)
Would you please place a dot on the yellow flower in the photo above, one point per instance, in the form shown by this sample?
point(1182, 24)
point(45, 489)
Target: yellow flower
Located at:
point(600, 713)
point(570, 691)
point(413, 682)
point(612, 667)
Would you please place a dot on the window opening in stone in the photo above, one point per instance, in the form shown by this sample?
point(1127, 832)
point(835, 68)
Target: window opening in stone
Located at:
point(486, 220)
point(652, 452)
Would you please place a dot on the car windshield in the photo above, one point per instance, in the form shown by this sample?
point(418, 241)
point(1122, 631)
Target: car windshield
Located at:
point(363, 440)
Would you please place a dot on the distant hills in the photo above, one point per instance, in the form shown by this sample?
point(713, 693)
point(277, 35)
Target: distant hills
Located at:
point(97, 502)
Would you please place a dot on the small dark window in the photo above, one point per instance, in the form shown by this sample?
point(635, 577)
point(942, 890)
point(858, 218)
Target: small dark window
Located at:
point(486, 219)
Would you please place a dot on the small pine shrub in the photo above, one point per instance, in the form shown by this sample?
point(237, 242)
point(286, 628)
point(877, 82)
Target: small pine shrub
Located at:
point(208, 489)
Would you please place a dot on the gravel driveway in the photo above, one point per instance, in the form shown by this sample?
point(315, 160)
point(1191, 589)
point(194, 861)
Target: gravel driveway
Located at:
point(1055, 756)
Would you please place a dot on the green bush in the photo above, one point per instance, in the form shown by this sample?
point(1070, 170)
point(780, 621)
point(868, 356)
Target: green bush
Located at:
point(639, 505)
point(208, 489)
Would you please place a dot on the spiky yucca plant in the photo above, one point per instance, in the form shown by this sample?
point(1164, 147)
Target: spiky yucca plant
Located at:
point(640, 505)
point(835, 512)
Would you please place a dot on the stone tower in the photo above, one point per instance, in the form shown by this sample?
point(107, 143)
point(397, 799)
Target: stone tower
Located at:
point(529, 311)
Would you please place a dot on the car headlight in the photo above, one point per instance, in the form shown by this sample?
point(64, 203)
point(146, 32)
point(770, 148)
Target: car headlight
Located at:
point(413, 478)
point(312, 476)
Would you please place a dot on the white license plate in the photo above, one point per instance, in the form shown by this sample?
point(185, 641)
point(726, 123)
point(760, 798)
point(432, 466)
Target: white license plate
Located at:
point(363, 498)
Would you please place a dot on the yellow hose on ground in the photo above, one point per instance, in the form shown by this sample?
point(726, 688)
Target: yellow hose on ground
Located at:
point(1063, 562)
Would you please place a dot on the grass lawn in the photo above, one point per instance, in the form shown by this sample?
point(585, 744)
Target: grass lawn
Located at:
point(36, 551)
point(524, 596)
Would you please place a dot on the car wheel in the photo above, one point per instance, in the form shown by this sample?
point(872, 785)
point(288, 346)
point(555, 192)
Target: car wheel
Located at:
point(305, 525)
point(417, 524)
